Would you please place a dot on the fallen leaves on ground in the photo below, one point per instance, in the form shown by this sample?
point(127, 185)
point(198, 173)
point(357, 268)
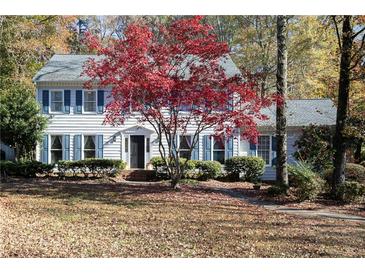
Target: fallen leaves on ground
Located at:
point(52, 218)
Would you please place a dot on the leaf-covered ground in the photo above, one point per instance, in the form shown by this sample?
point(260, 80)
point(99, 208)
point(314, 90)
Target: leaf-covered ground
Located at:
point(320, 203)
point(50, 218)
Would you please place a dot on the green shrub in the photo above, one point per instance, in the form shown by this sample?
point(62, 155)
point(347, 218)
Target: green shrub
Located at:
point(191, 182)
point(353, 172)
point(27, 169)
point(161, 170)
point(251, 168)
point(351, 191)
point(276, 190)
point(94, 167)
point(306, 182)
point(8, 167)
point(315, 146)
point(208, 169)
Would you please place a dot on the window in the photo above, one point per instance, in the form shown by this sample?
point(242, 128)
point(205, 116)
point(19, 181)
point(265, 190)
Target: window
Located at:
point(218, 149)
point(90, 101)
point(185, 107)
point(126, 144)
point(56, 100)
point(56, 148)
point(148, 145)
point(263, 148)
point(185, 146)
point(89, 147)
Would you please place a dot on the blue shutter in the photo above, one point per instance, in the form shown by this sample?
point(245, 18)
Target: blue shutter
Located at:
point(66, 101)
point(207, 148)
point(100, 101)
point(44, 151)
point(229, 147)
point(273, 150)
point(77, 147)
point(45, 101)
point(273, 143)
point(78, 108)
point(66, 147)
point(252, 149)
point(100, 146)
point(195, 152)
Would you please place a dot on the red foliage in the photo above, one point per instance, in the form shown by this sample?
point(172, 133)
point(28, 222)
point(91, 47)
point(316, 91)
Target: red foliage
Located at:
point(159, 73)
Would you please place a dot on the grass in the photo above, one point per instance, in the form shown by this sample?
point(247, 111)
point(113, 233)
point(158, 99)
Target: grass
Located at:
point(50, 218)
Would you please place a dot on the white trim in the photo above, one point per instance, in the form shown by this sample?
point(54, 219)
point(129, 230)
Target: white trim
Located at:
point(83, 102)
point(212, 148)
point(83, 144)
point(270, 149)
point(50, 101)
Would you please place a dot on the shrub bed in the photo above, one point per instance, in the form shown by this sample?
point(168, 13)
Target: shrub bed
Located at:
point(194, 169)
point(93, 167)
point(306, 183)
point(353, 172)
point(208, 170)
point(351, 192)
point(250, 167)
point(27, 169)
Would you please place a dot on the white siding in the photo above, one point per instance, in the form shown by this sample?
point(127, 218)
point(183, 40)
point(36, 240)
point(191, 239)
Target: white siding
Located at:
point(92, 124)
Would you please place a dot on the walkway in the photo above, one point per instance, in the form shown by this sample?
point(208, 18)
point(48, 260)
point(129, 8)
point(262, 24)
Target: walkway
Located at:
point(288, 210)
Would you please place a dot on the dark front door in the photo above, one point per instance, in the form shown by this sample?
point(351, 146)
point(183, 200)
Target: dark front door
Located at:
point(137, 151)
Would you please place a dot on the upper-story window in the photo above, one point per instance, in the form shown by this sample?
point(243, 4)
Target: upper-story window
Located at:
point(263, 148)
point(56, 100)
point(89, 101)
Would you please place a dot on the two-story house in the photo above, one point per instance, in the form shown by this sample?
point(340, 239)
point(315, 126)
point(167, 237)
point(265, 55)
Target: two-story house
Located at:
point(76, 129)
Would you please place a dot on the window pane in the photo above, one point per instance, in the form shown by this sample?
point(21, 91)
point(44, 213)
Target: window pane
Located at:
point(218, 143)
point(89, 142)
point(126, 144)
point(218, 156)
point(89, 154)
point(148, 145)
point(184, 154)
point(56, 96)
point(56, 142)
point(90, 96)
point(56, 155)
point(90, 106)
point(57, 106)
point(263, 148)
point(185, 142)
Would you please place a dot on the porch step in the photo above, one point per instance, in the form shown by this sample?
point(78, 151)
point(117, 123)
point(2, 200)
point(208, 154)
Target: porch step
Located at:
point(138, 175)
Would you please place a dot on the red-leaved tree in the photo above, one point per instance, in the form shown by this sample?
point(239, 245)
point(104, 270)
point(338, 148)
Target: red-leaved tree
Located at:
point(174, 80)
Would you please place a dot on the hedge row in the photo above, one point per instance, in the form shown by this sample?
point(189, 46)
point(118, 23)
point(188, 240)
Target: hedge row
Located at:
point(246, 168)
point(94, 167)
point(27, 169)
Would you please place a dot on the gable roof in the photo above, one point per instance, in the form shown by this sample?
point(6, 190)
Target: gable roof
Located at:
point(68, 68)
point(303, 112)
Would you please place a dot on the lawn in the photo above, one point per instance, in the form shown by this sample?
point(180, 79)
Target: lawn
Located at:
point(51, 218)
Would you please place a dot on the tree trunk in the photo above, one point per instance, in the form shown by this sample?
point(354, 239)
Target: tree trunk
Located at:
point(281, 87)
point(342, 108)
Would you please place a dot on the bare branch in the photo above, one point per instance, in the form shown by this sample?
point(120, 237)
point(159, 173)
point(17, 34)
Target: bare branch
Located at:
point(337, 32)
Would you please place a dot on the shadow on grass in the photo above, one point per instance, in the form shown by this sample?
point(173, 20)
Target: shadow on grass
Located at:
point(101, 190)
